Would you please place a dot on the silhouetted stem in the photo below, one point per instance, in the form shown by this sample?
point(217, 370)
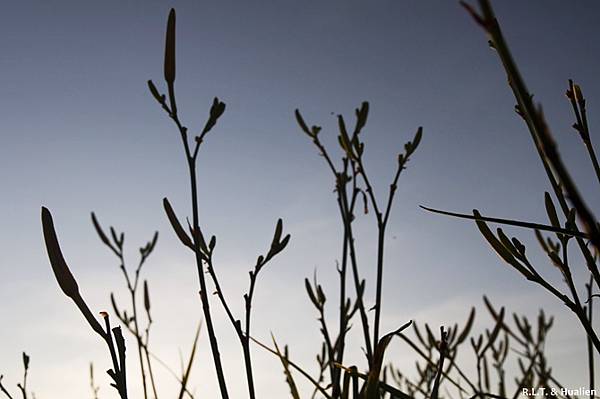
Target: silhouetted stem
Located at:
point(203, 291)
point(568, 275)
point(578, 103)
point(578, 310)
point(356, 277)
point(118, 371)
point(382, 221)
point(23, 387)
point(144, 346)
point(379, 282)
point(347, 213)
point(120, 341)
point(111, 346)
point(430, 362)
point(541, 136)
point(348, 249)
point(148, 355)
point(132, 291)
point(93, 386)
point(589, 339)
point(440, 365)
point(246, 337)
point(353, 149)
point(329, 347)
point(546, 148)
point(521, 384)
point(132, 288)
point(170, 371)
point(381, 224)
point(4, 391)
point(139, 342)
point(297, 368)
point(199, 256)
point(592, 154)
point(150, 372)
point(242, 336)
point(339, 353)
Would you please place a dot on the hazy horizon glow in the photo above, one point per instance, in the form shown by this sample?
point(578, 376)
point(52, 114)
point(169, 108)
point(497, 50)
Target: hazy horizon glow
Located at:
point(81, 133)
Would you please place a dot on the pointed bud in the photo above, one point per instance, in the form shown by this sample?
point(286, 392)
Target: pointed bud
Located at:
point(169, 68)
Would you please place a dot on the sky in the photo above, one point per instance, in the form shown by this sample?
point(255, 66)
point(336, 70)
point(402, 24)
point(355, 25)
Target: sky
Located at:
point(81, 133)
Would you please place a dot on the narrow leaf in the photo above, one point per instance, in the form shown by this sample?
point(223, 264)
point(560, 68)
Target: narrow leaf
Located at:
point(188, 370)
point(509, 222)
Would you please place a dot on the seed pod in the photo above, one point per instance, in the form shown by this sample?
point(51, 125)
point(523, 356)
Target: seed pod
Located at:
point(361, 115)
point(310, 293)
point(283, 243)
point(63, 275)
point(577, 92)
point(25, 361)
point(183, 237)
point(551, 210)
point(146, 297)
point(217, 109)
point(101, 233)
point(498, 246)
point(154, 91)
point(170, 49)
point(301, 122)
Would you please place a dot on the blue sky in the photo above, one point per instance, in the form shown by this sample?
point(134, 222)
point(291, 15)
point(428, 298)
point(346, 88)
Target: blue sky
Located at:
point(81, 133)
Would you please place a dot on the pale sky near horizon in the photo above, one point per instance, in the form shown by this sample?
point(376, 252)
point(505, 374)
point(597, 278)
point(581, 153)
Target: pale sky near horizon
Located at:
point(81, 132)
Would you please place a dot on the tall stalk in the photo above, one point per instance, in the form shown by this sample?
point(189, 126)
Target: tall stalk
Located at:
point(113, 337)
point(204, 252)
point(575, 209)
point(348, 191)
point(116, 247)
point(197, 243)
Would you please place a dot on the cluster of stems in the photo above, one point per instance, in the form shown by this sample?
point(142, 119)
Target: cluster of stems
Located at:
point(22, 385)
point(195, 240)
point(522, 345)
point(575, 210)
point(132, 321)
point(112, 336)
point(352, 183)
point(353, 188)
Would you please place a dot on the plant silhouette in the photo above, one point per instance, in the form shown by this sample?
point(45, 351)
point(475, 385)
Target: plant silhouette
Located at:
point(507, 357)
point(572, 205)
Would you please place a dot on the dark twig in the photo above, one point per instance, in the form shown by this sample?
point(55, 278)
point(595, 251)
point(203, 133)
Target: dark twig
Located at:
point(198, 244)
point(3, 389)
point(116, 246)
point(69, 286)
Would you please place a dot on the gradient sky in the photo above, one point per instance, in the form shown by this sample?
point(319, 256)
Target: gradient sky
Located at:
point(81, 133)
